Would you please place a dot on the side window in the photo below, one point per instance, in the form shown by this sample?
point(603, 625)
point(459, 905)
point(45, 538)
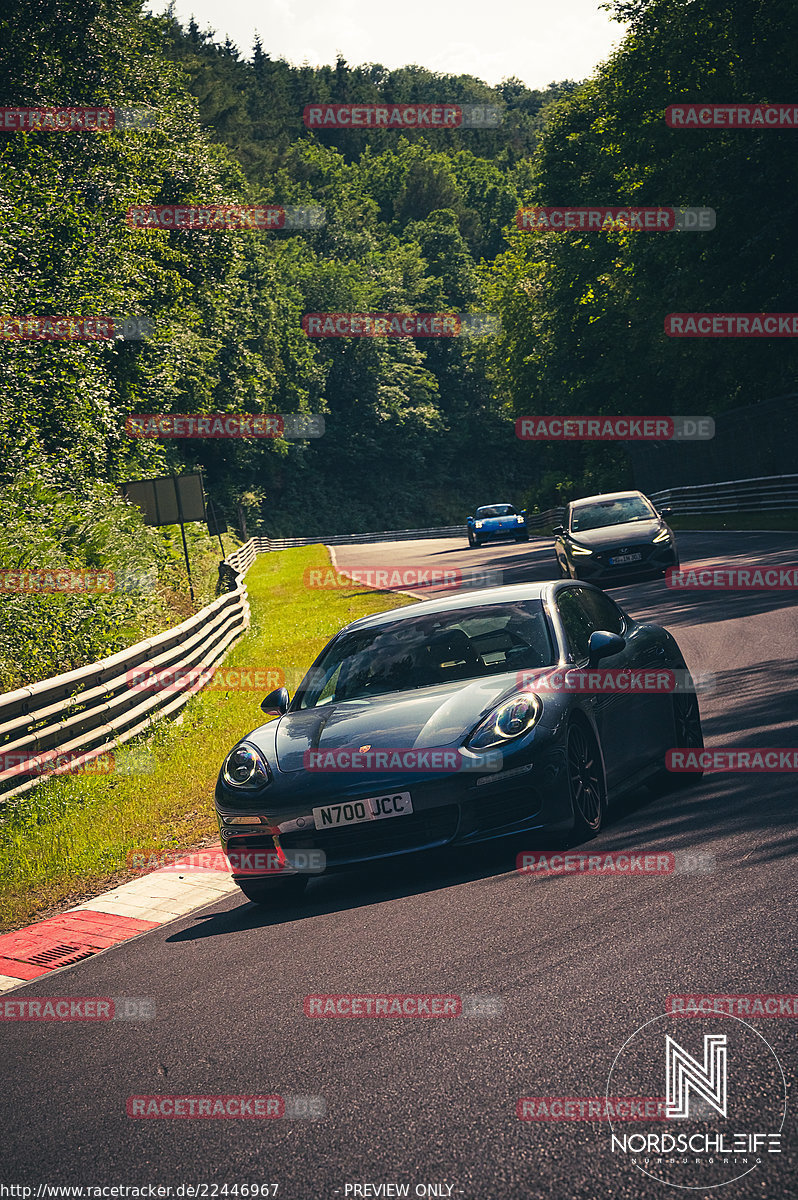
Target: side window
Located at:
point(604, 613)
point(577, 621)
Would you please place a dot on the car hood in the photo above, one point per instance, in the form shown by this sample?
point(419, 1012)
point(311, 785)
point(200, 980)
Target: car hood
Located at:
point(512, 519)
point(431, 717)
point(629, 533)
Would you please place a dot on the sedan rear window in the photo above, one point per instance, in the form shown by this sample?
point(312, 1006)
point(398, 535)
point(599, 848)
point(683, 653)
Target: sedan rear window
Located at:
point(429, 651)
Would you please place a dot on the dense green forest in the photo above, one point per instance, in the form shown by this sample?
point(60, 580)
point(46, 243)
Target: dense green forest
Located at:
point(417, 431)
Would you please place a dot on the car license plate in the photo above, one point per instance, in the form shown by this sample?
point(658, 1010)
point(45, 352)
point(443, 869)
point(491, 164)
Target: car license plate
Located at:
point(624, 558)
point(373, 808)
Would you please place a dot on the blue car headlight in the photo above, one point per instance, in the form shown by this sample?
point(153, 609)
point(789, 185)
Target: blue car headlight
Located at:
point(506, 722)
point(246, 768)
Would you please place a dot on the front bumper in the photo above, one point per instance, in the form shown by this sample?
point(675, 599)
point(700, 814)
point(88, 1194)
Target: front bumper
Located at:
point(495, 534)
point(654, 561)
point(453, 809)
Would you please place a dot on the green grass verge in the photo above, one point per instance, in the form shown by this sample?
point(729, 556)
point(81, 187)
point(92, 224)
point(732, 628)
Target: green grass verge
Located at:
point(739, 520)
point(69, 838)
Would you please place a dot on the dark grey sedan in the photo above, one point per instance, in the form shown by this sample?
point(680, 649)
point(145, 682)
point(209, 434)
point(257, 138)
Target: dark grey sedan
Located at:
point(452, 722)
point(618, 536)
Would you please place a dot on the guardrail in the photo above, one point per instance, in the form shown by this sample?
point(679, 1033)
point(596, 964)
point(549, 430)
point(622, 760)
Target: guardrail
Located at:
point(77, 716)
point(351, 539)
point(733, 495)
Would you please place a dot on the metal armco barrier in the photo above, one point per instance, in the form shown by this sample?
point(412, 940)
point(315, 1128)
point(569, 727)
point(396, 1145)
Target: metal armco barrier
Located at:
point(93, 709)
point(734, 495)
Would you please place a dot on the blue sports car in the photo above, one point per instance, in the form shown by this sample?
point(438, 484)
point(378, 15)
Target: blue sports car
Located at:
point(450, 722)
point(495, 521)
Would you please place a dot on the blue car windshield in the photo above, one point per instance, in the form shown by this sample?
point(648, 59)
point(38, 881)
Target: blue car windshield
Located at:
point(496, 510)
point(427, 651)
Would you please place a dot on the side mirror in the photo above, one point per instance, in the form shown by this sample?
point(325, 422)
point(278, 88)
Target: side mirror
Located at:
point(557, 530)
point(523, 512)
point(603, 645)
point(276, 703)
point(665, 512)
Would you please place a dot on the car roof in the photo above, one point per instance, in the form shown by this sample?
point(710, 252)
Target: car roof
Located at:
point(604, 496)
point(498, 504)
point(509, 594)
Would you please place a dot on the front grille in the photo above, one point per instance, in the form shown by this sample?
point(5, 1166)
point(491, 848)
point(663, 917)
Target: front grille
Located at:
point(418, 831)
point(645, 550)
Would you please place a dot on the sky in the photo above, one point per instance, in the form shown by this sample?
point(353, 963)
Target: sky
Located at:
point(537, 41)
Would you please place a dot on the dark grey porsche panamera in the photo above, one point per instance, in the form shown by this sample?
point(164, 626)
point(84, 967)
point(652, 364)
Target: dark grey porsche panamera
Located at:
point(450, 722)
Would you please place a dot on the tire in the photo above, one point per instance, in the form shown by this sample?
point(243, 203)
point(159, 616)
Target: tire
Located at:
point(477, 544)
point(522, 539)
point(273, 894)
point(586, 784)
point(688, 733)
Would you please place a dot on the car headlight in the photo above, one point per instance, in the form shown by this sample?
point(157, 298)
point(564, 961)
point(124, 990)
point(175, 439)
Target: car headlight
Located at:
point(245, 767)
point(480, 524)
point(664, 535)
point(520, 520)
point(579, 549)
point(506, 722)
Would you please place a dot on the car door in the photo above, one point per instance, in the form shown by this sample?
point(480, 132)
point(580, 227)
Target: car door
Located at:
point(620, 716)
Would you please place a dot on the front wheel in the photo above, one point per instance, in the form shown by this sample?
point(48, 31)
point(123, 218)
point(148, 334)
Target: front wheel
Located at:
point(273, 894)
point(523, 539)
point(689, 735)
point(585, 781)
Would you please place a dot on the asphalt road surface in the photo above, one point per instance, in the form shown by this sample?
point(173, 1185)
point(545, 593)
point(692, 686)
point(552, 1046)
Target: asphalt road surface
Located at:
point(578, 964)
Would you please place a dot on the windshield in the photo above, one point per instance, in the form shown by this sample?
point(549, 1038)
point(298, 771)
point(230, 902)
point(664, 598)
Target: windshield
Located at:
point(496, 510)
point(427, 651)
point(610, 512)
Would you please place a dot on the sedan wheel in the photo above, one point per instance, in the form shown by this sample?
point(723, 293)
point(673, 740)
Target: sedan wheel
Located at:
point(585, 781)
